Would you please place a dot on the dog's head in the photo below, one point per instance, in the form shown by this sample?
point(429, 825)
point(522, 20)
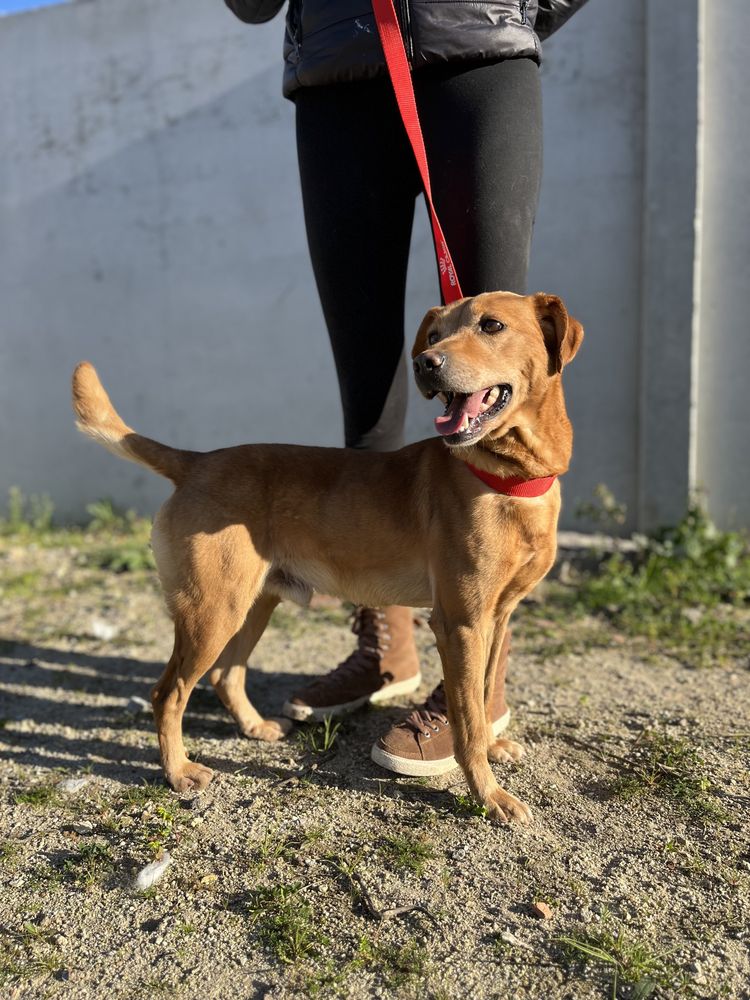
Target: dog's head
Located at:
point(490, 356)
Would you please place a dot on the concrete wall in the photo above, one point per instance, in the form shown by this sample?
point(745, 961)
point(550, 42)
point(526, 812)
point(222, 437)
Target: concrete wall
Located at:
point(151, 222)
point(722, 360)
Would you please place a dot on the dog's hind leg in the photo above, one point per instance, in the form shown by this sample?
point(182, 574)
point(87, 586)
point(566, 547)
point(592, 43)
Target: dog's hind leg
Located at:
point(209, 589)
point(499, 749)
point(190, 659)
point(228, 675)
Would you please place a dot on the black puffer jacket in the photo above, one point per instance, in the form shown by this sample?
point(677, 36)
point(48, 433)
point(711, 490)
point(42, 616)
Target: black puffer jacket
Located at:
point(332, 41)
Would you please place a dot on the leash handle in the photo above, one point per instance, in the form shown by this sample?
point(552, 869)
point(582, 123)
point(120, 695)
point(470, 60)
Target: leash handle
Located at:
point(400, 74)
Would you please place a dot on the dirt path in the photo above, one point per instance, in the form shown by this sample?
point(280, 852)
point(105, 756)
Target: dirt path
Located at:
point(285, 870)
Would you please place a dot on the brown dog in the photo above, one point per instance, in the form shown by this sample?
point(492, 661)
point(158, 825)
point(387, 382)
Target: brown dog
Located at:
point(250, 525)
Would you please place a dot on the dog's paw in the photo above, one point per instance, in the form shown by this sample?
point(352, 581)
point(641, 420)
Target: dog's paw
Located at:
point(504, 751)
point(502, 807)
point(190, 778)
point(268, 730)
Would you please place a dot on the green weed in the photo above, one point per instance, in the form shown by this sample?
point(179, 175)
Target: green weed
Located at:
point(664, 765)
point(24, 584)
point(285, 923)
point(10, 854)
point(398, 965)
point(90, 866)
point(150, 812)
point(631, 961)
point(27, 515)
point(467, 807)
point(321, 738)
point(407, 852)
point(157, 987)
point(145, 794)
point(27, 955)
point(274, 845)
point(40, 796)
point(106, 517)
point(683, 589)
point(127, 557)
point(606, 512)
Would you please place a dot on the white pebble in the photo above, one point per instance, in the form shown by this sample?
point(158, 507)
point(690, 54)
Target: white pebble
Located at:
point(73, 785)
point(136, 705)
point(102, 630)
point(152, 873)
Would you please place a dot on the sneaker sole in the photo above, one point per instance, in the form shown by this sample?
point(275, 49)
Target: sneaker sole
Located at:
point(304, 713)
point(423, 768)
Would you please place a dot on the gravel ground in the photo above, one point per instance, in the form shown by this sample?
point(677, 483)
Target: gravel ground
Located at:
point(304, 870)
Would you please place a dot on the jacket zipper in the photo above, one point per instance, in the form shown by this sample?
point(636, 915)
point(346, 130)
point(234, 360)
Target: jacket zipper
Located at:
point(405, 19)
point(524, 11)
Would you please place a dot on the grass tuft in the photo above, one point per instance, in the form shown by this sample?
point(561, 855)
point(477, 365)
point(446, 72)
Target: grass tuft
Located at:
point(679, 590)
point(408, 852)
point(664, 765)
point(90, 866)
point(284, 923)
point(40, 796)
point(321, 738)
point(631, 960)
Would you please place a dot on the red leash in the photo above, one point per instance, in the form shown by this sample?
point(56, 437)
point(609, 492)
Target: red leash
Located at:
point(398, 68)
point(400, 74)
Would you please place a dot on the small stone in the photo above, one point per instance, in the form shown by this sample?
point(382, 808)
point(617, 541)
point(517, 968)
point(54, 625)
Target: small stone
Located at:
point(510, 938)
point(541, 910)
point(102, 630)
point(137, 705)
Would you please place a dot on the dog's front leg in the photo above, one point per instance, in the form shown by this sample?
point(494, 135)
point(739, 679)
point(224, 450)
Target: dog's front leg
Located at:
point(463, 646)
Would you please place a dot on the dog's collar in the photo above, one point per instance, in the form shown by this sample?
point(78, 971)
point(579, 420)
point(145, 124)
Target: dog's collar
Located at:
point(513, 486)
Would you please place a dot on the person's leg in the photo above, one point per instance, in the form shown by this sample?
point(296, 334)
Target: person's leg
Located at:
point(483, 132)
point(483, 129)
point(359, 185)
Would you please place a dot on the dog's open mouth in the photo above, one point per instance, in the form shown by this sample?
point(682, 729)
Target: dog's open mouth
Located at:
point(465, 413)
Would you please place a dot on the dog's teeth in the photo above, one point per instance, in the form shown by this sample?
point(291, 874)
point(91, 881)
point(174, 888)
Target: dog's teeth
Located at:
point(490, 399)
point(464, 424)
point(443, 396)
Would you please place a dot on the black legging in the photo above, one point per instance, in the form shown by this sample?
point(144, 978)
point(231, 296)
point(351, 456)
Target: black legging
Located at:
point(482, 128)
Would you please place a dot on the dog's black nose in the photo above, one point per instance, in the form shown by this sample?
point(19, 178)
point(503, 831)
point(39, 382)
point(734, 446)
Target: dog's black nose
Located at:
point(427, 362)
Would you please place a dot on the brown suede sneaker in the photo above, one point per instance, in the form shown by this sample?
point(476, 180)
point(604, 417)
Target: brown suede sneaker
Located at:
point(384, 665)
point(423, 744)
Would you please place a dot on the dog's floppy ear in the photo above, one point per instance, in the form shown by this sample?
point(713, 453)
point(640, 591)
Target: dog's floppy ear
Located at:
point(420, 342)
point(562, 333)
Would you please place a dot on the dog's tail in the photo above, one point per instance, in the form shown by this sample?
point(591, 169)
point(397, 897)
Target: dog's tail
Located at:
point(98, 418)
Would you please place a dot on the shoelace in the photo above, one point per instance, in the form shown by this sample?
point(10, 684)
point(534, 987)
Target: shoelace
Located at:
point(422, 720)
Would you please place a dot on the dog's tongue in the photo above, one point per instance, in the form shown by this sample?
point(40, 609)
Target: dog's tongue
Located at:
point(461, 406)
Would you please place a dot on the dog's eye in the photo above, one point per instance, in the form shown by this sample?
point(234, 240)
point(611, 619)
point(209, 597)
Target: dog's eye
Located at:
point(489, 325)
point(432, 337)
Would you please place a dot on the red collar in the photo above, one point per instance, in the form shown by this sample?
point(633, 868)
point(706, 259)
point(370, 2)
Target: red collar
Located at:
point(513, 486)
